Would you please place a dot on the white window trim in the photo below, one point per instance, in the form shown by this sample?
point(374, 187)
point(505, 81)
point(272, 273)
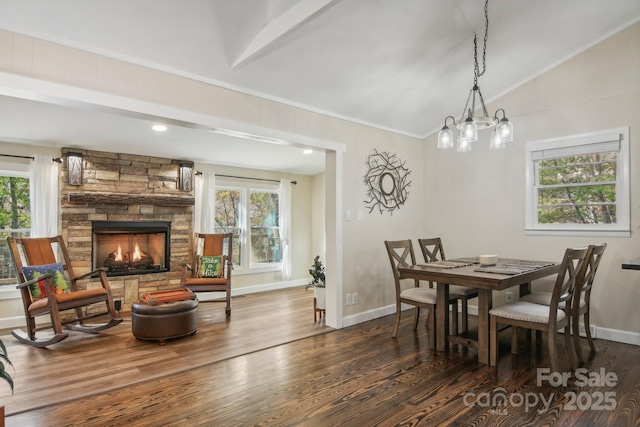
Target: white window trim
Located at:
point(246, 188)
point(623, 226)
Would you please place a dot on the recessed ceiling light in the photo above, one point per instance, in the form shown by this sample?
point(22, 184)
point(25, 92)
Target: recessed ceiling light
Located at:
point(159, 128)
point(307, 151)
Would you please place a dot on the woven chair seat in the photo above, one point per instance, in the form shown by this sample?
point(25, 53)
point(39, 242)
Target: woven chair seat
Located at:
point(526, 311)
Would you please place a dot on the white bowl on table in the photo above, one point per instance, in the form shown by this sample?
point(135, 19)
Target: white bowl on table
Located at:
point(486, 260)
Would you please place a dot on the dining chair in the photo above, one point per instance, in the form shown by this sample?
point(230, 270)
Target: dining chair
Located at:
point(581, 299)
point(401, 254)
point(545, 318)
point(432, 250)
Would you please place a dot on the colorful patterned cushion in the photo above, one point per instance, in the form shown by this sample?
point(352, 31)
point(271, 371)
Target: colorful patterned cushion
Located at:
point(57, 276)
point(211, 266)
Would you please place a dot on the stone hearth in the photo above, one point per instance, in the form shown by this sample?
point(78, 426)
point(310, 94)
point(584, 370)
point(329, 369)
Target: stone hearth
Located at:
point(124, 187)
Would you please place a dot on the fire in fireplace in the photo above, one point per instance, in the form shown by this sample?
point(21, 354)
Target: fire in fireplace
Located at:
point(131, 247)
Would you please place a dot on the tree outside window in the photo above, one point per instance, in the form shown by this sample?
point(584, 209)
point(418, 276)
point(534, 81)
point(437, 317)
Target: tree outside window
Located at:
point(578, 190)
point(579, 185)
point(228, 219)
point(252, 216)
point(263, 220)
point(15, 219)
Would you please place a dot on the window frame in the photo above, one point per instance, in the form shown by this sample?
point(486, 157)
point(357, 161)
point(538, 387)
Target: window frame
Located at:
point(574, 145)
point(245, 189)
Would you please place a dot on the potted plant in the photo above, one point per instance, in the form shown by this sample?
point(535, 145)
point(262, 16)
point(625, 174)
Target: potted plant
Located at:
point(4, 374)
point(317, 272)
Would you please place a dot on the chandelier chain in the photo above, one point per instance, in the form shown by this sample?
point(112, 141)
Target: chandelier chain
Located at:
point(466, 105)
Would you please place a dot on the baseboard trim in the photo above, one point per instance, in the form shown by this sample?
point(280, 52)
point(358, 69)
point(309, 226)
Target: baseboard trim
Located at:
point(616, 335)
point(12, 322)
point(254, 289)
point(9, 293)
point(369, 315)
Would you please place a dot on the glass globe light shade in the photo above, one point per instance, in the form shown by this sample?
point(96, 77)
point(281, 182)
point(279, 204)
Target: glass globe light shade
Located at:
point(445, 138)
point(469, 131)
point(463, 146)
point(505, 130)
point(496, 142)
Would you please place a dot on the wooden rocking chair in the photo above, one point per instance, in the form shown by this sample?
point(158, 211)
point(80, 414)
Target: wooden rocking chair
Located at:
point(49, 287)
point(218, 279)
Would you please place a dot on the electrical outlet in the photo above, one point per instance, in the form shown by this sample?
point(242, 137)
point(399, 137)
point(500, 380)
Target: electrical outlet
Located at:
point(509, 296)
point(354, 298)
point(348, 299)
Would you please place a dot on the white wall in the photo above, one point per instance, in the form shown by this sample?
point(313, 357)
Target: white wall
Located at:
point(366, 266)
point(475, 200)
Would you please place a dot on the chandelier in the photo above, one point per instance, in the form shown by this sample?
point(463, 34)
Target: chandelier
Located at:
point(470, 125)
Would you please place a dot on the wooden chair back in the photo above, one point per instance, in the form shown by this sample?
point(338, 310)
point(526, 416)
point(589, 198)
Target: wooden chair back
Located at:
point(400, 254)
point(217, 244)
point(33, 251)
point(213, 244)
point(583, 291)
point(592, 267)
point(432, 249)
point(572, 270)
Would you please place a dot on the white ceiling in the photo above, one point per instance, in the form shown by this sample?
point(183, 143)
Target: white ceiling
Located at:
point(401, 65)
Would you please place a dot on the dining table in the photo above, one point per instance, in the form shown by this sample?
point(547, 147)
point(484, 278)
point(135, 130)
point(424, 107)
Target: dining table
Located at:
point(504, 274)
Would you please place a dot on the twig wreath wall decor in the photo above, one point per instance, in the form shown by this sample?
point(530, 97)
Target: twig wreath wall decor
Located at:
point(387, 181)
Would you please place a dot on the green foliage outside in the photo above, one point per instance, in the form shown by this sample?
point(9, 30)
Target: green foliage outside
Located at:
point(16, 208)
point(228, 218)
point(578, 189)
point(14, 215)
point(227, 209)
point(264, 210)
point(263, 218)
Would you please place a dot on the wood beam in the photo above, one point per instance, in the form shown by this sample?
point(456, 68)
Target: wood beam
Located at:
point(288, 21)
point(130, 199)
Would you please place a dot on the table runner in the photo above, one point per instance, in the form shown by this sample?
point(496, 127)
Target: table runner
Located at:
point(447, 264)
point(471, 260)
point(512, 268)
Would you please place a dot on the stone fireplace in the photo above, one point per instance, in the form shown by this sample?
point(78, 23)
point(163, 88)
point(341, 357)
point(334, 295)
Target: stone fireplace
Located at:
point(141, 195)
point(128, 248)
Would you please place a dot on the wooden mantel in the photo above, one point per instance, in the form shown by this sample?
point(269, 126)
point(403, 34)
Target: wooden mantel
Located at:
point(130, 199)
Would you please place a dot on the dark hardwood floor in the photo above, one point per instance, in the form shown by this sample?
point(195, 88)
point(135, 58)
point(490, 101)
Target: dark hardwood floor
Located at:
point(357, 376)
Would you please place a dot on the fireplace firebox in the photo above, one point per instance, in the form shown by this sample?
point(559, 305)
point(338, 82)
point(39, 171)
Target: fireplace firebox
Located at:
point(131, 247)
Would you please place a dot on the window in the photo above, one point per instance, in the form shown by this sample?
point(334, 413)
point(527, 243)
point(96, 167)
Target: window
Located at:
point(579, 185)
point(15, 218)
point(251, 214)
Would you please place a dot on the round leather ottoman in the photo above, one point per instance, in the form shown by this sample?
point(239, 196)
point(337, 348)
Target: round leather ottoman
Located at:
point(164, 321)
